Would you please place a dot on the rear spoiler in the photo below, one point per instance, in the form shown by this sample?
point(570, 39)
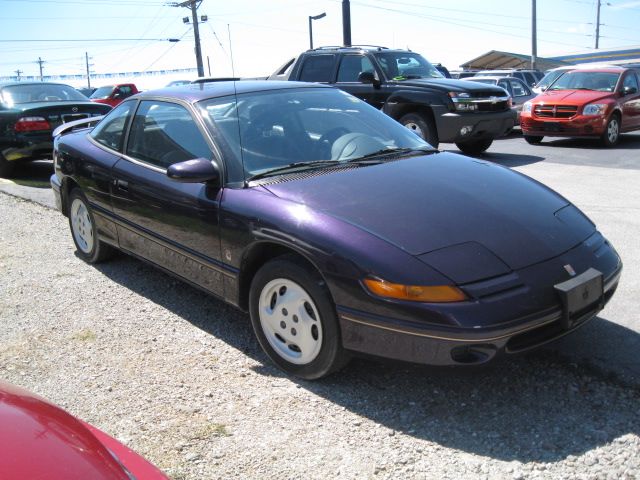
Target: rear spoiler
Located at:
point(70, 126)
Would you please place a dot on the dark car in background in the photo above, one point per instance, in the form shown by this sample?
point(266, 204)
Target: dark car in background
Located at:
point(335, 227)
point(113, 94)
point(29, 112)
point(520, 93)
point(597, 103)
point(87, 91)
point(42, 441)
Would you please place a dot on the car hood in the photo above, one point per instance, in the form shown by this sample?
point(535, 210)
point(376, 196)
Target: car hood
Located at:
point(572, 97)
point(426, 203)
point(453, 85)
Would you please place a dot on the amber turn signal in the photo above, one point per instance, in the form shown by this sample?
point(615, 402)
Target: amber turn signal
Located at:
point(415, 293)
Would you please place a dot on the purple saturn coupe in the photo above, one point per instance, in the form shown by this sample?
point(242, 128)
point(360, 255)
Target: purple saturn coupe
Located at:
point(336, 228)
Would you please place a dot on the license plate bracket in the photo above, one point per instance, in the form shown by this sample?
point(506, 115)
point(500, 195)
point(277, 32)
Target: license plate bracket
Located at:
point(580, 295)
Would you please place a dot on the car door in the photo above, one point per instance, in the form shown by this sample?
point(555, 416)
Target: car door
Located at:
point(347, 79)
point(172, 224)
point(630, 101)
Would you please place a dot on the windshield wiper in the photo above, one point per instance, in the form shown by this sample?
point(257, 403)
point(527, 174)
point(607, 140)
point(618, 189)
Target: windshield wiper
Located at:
point(293, 166)
point(391, 151)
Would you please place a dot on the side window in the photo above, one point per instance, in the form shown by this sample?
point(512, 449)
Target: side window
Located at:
point(164, 133)
point(125, 91)
point(503, 84)
point(519, 89)
point(529, 79)
point(630, 81)
point(352, 65)
point(110, 131)
point(317, 68)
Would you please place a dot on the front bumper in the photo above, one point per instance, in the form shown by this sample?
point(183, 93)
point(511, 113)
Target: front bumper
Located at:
point(483, 125)
point(515, 317)
point(56, 187)
point(577, 126)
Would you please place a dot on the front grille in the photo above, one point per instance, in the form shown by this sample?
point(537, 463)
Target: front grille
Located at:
point(492, 107)
point(555, 111)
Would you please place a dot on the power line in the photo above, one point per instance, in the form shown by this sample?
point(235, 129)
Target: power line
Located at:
point(46, 40)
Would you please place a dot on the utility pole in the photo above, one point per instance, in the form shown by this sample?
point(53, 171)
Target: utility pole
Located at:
point(86, 59)
point(18, 72)
point(40, 62)
point(534, 36)
point(346, 23)
point(193, 5)
point(598, 24)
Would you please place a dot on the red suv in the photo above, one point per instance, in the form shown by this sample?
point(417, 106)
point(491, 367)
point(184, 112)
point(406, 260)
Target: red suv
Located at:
point(599, 103)
point(113, 94)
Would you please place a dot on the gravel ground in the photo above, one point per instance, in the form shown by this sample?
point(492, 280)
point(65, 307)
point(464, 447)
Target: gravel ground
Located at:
point(178, 377)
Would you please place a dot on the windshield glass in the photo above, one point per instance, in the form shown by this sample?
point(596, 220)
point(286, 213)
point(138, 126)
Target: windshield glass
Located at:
point(275, 128)
point(39, 92)
point(550, 77)
point(578, 80)
point(406, 65)
point(490, 81)
point(102, 92)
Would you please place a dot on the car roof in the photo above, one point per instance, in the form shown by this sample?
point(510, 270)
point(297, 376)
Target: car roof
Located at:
point(194, 92)
point(11, 84)
point(603, 70)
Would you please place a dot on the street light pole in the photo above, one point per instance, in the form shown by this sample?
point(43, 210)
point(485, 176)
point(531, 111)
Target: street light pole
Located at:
point(311, 19)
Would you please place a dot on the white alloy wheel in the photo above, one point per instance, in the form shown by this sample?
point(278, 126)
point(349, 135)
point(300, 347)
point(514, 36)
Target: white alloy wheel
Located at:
point(415, 128)
point(613, 130)
point(82, 226)
point(290, 321)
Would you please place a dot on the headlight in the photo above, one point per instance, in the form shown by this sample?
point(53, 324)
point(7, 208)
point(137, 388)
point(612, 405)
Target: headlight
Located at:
point(526, 108)
point(415, 293)
point(462, 102)
point(594, 109)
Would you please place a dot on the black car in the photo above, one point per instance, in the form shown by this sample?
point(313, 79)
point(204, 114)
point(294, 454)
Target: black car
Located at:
point(30, 111)
point(405, 86)
point(87, 91)
point(335, 227)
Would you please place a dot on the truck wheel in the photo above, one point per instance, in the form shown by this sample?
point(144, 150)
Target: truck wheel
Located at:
point(422, 126)
point(533, 139)
point(474, 147)
point(6, 167)
point(611, 133)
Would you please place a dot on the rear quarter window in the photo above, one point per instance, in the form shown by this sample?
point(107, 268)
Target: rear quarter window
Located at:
point(317, 68)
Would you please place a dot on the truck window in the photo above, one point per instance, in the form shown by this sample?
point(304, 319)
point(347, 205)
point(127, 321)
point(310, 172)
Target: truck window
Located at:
point(352, 65)
point(317, 68)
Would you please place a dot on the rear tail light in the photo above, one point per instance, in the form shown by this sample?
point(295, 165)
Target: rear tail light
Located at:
point(31, 124)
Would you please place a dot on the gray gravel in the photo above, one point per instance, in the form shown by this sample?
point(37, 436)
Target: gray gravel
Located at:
point(178, 377)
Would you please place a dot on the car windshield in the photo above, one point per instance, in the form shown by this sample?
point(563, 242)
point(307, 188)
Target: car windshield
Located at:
point(550, 77)
point(309, 127)
point(39, 92)
point(406, 65)
point(490, 81)
point(579, 80)
point(102, 92)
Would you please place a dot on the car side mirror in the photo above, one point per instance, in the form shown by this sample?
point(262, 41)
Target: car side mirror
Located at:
point(368, 77)
point(629, 90)
point(198, 170)
point(117, 95)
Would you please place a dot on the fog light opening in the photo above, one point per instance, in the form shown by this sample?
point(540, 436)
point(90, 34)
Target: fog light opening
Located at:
point(473, 354)
point(466, 130)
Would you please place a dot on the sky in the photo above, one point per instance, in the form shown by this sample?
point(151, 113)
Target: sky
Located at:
point(260, 35)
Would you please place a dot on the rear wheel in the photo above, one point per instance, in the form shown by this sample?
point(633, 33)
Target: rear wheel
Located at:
point(294, 319)
point(611, 134)
point(533, 139)
point(421, 125)
point(475, 147)
point(6, 167)
point(83, 230)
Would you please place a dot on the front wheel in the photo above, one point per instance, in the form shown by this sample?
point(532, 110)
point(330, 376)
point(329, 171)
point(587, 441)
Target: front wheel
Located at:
point(294, 319)
point(475, 147)
point(83, 230)
point(421, 125)
point(611, 134)
point(533, 139)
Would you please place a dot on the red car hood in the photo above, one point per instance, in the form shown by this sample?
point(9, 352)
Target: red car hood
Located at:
point(571, 97)
point(43, 442)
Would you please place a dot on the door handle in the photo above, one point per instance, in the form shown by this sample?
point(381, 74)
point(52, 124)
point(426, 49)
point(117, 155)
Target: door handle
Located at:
point(122, 185)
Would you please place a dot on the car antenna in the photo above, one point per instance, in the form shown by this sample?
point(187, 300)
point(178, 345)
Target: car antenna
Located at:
point(235, 94)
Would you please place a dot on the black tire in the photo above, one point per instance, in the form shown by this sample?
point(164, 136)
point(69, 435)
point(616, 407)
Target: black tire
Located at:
point(290, 321)
point(6, 167)
point(84, 232)
point(533, 139)
point(611, 135)
point(421, 125)
point(475, 147)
